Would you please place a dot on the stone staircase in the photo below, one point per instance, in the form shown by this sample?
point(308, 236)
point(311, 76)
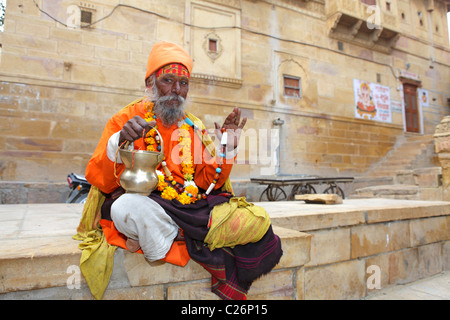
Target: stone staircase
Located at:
point(409, 171)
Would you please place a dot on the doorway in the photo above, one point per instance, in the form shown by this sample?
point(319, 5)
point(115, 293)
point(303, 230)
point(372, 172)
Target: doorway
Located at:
point(411, 107)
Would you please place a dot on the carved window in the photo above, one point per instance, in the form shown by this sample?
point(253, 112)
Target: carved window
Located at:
point(87, 11)
point(212, 45)
point(86, 17)
point(292, 86)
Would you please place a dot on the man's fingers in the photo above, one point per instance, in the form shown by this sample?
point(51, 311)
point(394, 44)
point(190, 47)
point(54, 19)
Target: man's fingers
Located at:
point(237, 116)
point(124, 136)
point(135, 128)
point(131, 132)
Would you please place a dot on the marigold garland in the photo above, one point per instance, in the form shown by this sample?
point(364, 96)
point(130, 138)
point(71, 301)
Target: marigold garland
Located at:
point(188, 194)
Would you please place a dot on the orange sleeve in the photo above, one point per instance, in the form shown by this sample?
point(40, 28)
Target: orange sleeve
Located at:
point(100, 170)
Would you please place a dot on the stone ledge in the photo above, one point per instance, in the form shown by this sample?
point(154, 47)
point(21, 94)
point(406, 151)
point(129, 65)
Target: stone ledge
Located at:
point(12, 192)
point(308, 217)
point(37, 250)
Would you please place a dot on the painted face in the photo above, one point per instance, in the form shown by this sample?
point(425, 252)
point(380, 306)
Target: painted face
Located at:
point(172, 85)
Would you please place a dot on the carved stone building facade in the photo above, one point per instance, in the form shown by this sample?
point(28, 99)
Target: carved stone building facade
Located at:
point(327, 86)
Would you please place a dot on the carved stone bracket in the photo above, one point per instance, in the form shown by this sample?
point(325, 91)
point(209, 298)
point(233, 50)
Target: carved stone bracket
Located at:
point(356, 27)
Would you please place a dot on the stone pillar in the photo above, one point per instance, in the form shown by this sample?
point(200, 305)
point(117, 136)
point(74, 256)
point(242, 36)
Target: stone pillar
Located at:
point(442, 148)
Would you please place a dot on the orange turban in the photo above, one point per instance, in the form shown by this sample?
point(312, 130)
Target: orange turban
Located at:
point(164, 53)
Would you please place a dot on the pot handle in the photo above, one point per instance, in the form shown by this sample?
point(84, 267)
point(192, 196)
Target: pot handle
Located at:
point(127, 143)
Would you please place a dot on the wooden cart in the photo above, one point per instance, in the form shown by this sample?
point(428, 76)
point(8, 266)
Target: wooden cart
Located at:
point(301, 184)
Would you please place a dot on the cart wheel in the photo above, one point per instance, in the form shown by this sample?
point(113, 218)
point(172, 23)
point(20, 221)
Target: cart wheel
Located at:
point(301, 189)
point(262, 195)
point(276, 194)
point(334, 189)
point(307, 189)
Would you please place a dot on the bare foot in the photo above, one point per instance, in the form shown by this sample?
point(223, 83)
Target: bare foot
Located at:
point(132, 245)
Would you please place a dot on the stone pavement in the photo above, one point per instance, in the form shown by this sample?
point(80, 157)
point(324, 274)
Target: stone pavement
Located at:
point(436, 287)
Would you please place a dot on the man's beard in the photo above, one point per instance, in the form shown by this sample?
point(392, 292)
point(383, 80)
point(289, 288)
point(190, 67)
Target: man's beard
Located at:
point(170, 109)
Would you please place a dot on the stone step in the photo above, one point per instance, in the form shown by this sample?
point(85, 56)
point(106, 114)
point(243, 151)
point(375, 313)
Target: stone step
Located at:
point(363, 182)
point(395, 191)
point(418, 137)
point(388, 172)
point(38, 256)
point(421, 183)
point(409, 151)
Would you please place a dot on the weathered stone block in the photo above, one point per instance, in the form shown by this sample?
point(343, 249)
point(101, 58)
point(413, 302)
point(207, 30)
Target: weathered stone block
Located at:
point(403, 266)
point(136, 293)
point(26, 128)
point(296, 247)
point(200, 290)
point(329, 246)
point(431, 194)
point(377, 238)
point(446, 255)
point(430, 260)
point(424, 231)
point(407, 210)
point(99, 40)
point(290, 214)
point(31, 143)
point(428, 177)
point(142, 273)
point(397, 267)
point(405, 177)
point(277, 285)
point(344, 280)
point(39, 272)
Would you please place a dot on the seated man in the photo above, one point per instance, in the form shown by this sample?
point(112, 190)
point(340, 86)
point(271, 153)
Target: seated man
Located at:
point(194, 187)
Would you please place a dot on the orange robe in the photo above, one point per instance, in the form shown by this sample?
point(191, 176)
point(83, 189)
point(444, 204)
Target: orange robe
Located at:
point(100, 169)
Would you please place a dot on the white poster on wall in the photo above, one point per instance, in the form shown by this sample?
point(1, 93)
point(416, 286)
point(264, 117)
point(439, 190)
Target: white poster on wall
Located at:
point(372, 101)
point(423, 97)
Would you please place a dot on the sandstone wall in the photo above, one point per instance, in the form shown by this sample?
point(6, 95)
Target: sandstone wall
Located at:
point(59, 85)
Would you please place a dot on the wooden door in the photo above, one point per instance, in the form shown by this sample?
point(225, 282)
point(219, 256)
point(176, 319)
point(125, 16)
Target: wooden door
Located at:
point(411, 108)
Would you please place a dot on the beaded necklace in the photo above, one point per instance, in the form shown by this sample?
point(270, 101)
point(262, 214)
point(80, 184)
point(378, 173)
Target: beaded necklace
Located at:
point(170, 189)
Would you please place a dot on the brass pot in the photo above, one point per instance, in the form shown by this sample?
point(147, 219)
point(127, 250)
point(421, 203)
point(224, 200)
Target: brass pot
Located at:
point(140, 175)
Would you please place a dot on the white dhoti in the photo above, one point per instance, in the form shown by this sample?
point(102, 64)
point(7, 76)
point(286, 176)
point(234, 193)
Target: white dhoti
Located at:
point(140, 218)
